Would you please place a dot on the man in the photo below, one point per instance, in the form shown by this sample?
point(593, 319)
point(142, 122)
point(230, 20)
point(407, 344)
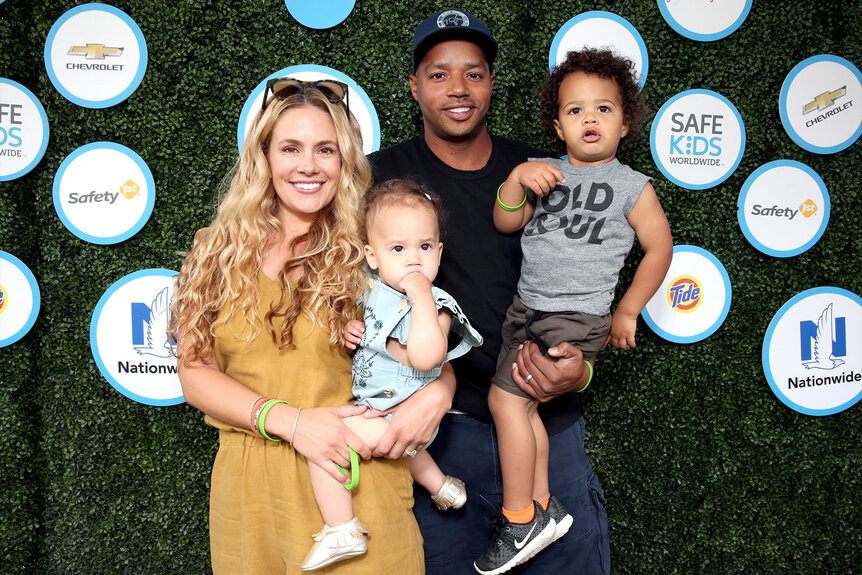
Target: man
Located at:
point(453, 56)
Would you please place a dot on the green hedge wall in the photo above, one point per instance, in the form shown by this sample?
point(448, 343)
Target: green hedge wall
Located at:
point(705, 471)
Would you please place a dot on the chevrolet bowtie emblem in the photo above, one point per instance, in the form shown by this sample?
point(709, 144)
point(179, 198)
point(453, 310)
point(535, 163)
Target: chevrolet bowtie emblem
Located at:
point(94, 51)
point(824, 100)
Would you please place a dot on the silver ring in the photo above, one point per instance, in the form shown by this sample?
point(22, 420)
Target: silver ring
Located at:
point(410, 453)
point(529, 378)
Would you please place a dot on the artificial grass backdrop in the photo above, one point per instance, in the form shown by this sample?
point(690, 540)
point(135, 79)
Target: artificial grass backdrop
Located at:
point(705, 471)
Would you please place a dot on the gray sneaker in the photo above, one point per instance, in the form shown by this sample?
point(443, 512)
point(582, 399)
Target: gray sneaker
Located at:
point(559, 514)
point(514, 543)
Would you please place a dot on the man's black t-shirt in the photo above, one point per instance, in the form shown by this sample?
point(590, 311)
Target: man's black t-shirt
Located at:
point(480, 266)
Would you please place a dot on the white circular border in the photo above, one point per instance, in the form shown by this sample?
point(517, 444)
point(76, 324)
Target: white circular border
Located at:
point(601, 15)
point(45, 131)
point(782, 105)
point(34, 288)
point(94, 348)
point(148, 209)
point(767, 341)
point(663, 168)
point(142, 63)
point(683, 31)
point(728, 296)
point(335, 12)
point(743, 194)
point(253, 102)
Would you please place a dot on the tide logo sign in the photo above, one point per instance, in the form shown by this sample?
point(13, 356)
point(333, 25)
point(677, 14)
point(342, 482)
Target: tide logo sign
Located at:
point(823, 343)
point(685, 294)
point(4, 299)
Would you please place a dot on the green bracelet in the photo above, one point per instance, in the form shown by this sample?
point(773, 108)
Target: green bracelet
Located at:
point(589, 379)
point(510, 208)
point(354, 470)
point(261, 421)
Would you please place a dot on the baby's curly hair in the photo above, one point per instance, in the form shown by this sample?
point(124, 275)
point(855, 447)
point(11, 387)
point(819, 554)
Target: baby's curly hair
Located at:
point(604, 64)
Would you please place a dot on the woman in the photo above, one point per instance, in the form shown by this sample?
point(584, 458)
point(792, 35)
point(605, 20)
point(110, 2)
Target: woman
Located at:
point(260, 304)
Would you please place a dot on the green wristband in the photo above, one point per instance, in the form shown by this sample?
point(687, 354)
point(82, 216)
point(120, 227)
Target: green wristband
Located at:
point(589, 379)
point(510, 208)
point(261, 421)
point(354, 470)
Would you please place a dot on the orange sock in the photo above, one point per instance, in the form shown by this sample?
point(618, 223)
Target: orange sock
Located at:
point(544, 503)
point(525, 515)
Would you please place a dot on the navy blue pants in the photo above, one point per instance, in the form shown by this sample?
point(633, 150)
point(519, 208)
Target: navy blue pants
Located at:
point(467, 448)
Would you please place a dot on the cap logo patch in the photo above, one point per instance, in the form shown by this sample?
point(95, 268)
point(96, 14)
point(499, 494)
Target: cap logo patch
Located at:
point(451, 18)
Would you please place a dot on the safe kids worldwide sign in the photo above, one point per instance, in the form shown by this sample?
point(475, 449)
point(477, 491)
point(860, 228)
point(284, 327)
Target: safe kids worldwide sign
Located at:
point(697, 139)
point(812, 351)
point(19, 299)
point(129, 338)
point(23, 130)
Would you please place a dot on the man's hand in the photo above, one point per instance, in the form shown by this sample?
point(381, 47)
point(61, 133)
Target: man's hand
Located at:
point(414, 420)
point(563, 372)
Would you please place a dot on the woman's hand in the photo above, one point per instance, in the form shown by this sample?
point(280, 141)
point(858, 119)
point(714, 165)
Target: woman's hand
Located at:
point(322, 438)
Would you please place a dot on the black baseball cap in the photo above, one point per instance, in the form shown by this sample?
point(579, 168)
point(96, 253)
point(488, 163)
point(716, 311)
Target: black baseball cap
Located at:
point(448, 24)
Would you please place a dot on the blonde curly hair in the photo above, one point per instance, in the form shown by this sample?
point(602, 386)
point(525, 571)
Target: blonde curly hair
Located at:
point(221, 270)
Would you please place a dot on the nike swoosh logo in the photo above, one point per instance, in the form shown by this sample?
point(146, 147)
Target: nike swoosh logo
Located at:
point(522, 542)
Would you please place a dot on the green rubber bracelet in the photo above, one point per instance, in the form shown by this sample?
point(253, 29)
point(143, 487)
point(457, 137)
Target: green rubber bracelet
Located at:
point(589, 379)
point(261, 421)
point(354, 470)
point(506, 207)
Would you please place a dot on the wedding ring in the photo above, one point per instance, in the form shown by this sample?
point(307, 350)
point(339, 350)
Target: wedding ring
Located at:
point(410, 453)
point(529, 378)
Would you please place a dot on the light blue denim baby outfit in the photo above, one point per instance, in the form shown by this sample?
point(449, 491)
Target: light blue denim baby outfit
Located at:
point(381, 381)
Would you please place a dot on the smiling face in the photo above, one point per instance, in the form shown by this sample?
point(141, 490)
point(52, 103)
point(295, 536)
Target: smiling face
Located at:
point(452, 85)
point(590, 118)
point(304, 164)
point(403, 239)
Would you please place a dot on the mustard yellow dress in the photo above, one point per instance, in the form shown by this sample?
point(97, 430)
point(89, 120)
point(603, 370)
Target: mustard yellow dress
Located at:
point(262, 508)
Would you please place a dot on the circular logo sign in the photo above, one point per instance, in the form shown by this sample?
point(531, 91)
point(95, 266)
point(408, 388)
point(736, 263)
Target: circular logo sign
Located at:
point(601, 30)
point(697, 139)
point(783, 208)
point(19, 299)
point(812, 351)
point(693, 299)
point(358, 101)
point(320, 14)
point(821, 104)
point(130, 341)
point(23, 130)
point(95, 55)
point(705, 20)
point(104, 193)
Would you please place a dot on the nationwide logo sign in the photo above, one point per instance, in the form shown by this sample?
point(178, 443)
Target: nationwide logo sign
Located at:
point(694, 298)
point(705, 20)
point(104, 193)
point(598, 29)
point(812, 351)
point(129, 338)
point(23, 130)
point(697, 139)
point(821, 104)
point(360, 104)
point(19, 299)
point(783, 208)
point(95, 55)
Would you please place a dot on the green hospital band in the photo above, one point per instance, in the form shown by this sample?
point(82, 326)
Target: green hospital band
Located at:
point(589, 379)
point(510, 208)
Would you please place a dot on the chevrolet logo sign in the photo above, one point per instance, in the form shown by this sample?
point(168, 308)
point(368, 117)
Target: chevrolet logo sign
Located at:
point(824, 100)
point(94, 51)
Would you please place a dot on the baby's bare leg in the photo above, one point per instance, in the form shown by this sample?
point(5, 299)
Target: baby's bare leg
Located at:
point(333, 500)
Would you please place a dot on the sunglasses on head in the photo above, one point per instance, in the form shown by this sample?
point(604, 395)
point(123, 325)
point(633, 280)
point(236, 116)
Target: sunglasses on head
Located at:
point(283, 88)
